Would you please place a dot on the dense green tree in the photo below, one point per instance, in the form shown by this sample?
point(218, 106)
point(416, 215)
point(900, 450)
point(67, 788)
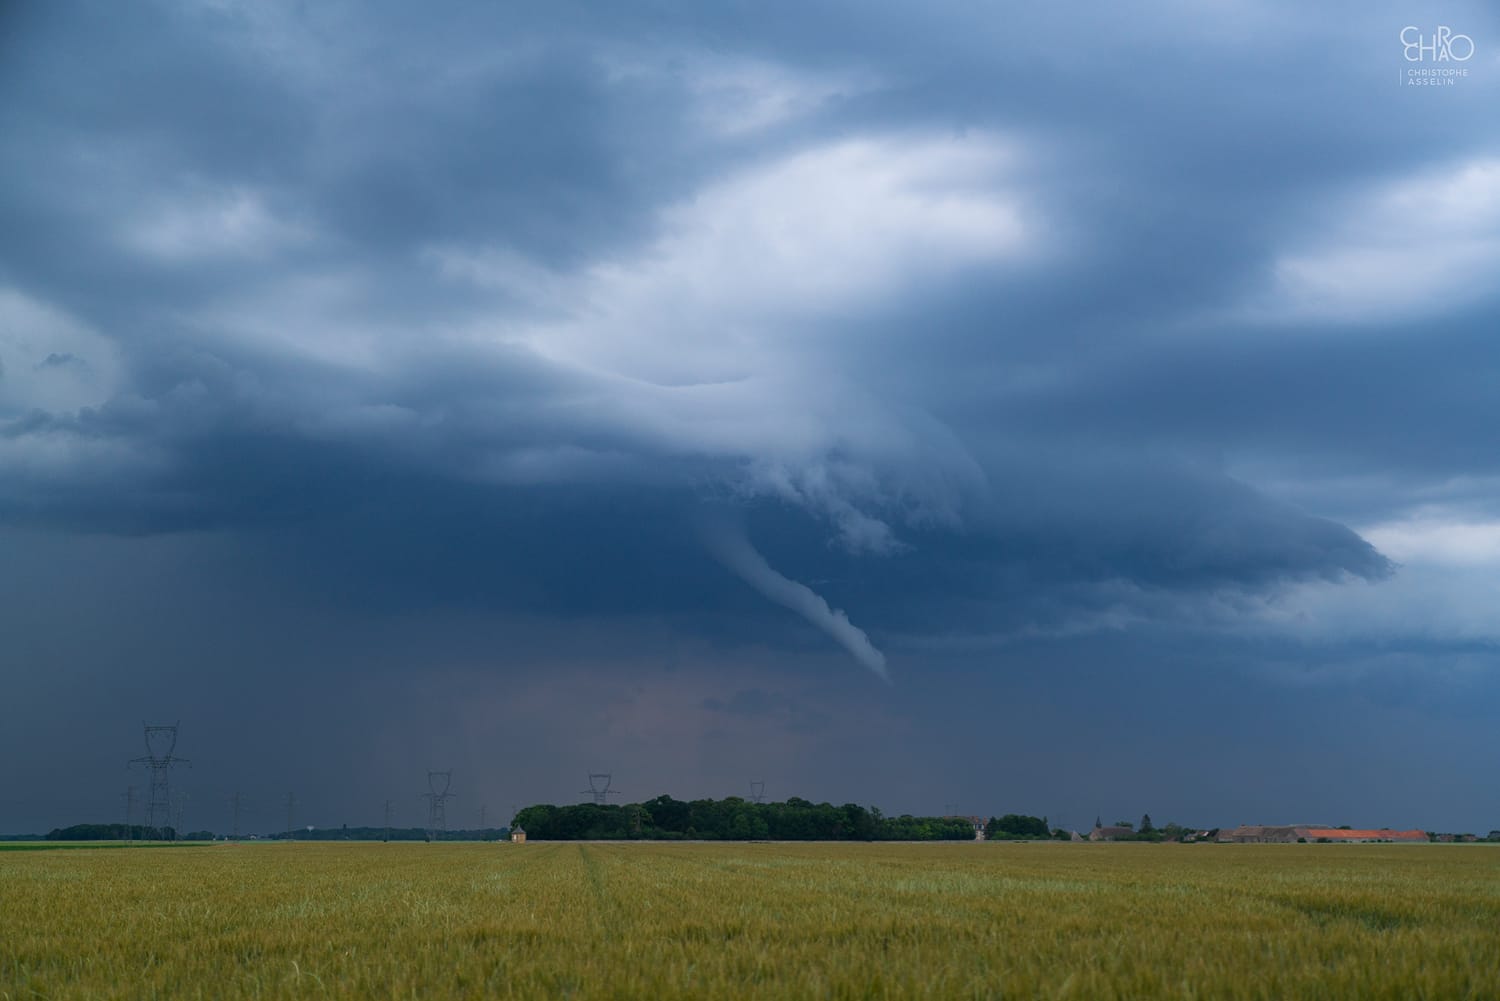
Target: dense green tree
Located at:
point(111, 832)
point(669, 815)
point(665, 818)
point(1015, 826)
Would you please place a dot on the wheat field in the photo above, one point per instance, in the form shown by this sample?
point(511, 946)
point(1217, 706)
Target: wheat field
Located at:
point(771, 920)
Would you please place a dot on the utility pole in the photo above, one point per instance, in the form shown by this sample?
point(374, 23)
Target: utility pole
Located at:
point(482, 809)
point(129, 798)
point(161, 742)
point(235, 804)
point(388, 820)
point(291, 802)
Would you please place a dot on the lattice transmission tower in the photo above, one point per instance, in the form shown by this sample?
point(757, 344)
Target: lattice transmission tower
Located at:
point(236, 801)
point(437, 795)
point(599, 787)
point(757, 790)
point(161, 745)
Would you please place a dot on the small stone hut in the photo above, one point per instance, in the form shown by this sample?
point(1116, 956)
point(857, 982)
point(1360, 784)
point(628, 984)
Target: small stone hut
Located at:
point(518, 835)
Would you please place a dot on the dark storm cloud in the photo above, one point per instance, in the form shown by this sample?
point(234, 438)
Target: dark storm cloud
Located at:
point(247, 159)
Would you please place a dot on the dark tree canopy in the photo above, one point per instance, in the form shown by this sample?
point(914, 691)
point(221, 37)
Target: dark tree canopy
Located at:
point(733, 819)
point(1014, 826)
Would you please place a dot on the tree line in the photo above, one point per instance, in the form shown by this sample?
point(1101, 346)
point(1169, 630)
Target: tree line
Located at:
point(733, 819)
point(139, 832)
point(119, 832)
point(1021, 827)
point(347, 833)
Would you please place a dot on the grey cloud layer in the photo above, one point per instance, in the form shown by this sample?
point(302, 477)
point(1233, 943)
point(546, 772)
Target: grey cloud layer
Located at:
point(980, 340)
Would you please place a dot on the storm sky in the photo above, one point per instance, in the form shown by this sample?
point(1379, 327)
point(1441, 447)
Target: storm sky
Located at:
point(1057, 411)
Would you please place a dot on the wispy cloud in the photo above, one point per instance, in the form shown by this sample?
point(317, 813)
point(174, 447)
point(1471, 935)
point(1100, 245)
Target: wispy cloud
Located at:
point(1420, 246)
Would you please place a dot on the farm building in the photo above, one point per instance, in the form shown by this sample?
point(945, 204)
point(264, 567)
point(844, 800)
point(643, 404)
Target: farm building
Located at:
point(518, 835)
point(1364, 836)
point(1247, 834)
point(1260, 834)
point(1100, 833)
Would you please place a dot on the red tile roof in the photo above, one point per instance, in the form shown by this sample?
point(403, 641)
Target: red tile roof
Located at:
point(1335, 833)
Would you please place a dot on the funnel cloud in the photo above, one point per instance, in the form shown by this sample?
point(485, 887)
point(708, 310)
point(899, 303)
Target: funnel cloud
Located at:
point(731, 546)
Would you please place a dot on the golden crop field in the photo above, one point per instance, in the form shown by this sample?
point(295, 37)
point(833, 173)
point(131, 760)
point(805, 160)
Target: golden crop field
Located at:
point(769, 920)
